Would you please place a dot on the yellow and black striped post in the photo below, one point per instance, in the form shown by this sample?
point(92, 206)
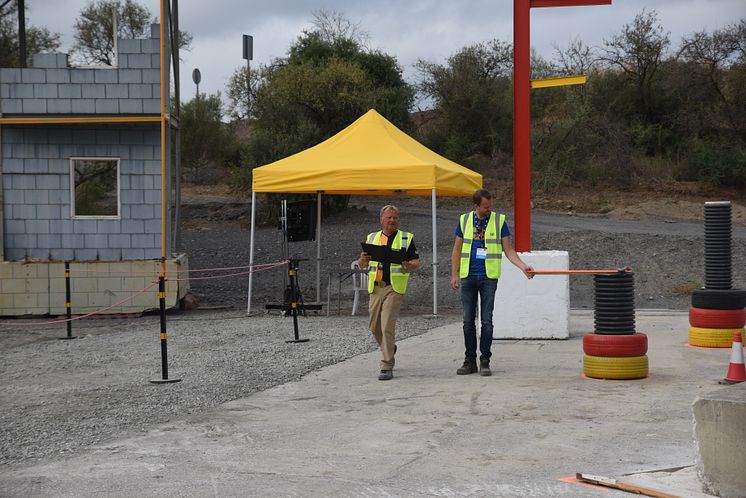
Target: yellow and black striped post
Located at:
point(68, 304)
point(164, 336)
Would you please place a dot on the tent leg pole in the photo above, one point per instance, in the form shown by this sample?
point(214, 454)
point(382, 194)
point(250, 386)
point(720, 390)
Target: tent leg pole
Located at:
point(318, 247)
point(251, 251)
point(435, 257)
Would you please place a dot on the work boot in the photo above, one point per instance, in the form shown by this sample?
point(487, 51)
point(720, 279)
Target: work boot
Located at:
point(386, 375)
point(484, 367)
point(469, 367)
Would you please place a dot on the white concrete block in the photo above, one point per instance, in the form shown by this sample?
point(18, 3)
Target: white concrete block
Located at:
point(533, 309)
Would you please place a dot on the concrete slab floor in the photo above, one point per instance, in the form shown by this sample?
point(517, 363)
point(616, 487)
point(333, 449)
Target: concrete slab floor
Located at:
point(340, 432)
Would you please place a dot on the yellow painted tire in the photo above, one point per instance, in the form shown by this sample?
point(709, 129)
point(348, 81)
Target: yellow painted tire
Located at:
point(615, 367)
point(712, 338)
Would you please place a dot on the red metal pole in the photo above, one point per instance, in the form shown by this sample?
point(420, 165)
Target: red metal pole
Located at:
point(522, 124)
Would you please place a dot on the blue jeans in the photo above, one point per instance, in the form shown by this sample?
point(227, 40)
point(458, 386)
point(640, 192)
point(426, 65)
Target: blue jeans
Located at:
point(471, 287)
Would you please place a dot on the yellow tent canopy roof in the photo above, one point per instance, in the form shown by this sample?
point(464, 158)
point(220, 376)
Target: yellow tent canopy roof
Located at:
point(371, 156)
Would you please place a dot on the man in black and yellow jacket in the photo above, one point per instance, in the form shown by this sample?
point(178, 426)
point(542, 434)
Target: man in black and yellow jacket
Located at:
point(387, 284)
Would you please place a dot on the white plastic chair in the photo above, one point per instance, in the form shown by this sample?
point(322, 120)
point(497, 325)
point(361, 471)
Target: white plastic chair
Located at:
point(359, 284)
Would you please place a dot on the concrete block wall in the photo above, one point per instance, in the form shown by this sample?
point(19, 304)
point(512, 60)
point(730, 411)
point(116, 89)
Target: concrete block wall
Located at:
point(38, 288)
point(51, 87)
point(36, 188)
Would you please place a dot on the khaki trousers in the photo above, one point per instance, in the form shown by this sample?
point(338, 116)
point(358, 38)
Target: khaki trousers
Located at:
point(383, 308)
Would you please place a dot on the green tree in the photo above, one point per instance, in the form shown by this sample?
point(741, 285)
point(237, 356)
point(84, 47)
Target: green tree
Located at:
point(38, 39)
point(326, 82)
point(207, 144)
point(94, 29)
point(473, 100)
point(638, 51)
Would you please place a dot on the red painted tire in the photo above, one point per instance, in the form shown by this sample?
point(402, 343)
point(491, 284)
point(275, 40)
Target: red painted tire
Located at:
point(717, 319)
point(620, 346)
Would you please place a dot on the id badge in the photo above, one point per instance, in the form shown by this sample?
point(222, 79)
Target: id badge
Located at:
point(481, 253)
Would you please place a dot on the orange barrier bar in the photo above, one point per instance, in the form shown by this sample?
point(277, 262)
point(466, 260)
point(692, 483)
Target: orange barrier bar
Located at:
point(578, 272)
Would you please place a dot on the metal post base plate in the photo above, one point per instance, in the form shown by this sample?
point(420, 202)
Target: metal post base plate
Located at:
point(164, 381)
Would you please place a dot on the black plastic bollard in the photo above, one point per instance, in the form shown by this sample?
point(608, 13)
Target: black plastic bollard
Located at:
point(614, 303)
point(718, 232)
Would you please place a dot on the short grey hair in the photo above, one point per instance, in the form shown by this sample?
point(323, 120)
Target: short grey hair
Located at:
point(388, 207)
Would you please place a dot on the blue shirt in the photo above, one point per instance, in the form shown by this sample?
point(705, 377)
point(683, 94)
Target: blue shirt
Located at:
point(476, 266)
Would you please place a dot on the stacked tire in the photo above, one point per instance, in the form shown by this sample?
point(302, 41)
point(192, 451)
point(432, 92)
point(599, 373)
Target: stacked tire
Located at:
point(717, 311)
point(615, 350)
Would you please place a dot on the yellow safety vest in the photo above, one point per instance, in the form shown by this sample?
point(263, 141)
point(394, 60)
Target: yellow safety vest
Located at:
point(398, 274)
point(492, 242)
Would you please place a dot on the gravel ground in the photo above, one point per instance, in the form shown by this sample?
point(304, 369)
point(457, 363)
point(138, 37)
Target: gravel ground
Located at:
point(62, 396)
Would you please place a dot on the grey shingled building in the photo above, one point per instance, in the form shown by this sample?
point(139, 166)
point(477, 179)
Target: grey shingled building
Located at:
point(85, 192)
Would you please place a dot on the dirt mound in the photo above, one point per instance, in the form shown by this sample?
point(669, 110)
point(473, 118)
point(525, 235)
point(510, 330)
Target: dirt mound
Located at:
point(671, 209)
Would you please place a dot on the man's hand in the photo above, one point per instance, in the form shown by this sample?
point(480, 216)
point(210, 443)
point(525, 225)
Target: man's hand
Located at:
point(527, 269)
point(411, 264)
point(363, 260)
point(455, 282)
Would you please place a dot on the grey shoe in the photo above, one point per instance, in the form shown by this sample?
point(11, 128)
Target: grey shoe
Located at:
point(469, 367)
point(386, 375)
point(484, 367)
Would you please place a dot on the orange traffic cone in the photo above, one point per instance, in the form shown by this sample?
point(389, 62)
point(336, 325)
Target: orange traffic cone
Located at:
point(736, 370)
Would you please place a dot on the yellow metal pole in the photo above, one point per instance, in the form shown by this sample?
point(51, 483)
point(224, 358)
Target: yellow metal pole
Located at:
point(163, 139)
point(80, 120)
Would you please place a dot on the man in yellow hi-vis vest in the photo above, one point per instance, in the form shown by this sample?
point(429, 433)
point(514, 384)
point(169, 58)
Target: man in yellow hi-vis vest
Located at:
point(387, 283)
point(482, 236)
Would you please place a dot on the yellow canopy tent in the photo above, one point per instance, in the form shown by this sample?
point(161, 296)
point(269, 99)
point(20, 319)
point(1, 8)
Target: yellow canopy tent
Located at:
point(369, 157)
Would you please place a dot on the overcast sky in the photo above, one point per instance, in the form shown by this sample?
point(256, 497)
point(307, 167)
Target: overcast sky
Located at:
point(407, 29)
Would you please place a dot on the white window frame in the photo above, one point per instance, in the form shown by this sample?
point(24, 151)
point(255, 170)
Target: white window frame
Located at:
point(72, 189)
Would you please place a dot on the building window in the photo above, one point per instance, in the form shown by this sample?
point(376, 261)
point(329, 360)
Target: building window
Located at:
point(94, 187)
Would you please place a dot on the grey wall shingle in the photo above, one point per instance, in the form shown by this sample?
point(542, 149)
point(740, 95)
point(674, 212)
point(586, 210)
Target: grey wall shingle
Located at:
point(70, 91)
point(117, 91)
point(83, 106)
point(10, 75)
point(93, 91)
point(62, 254)
point(130, 76)
point(105, 76)
point(11, 106)
point(34, 106)
point(59, 106)
point(33, 76)
point(58, 75)
point(82, 76)
point(86, 254)
point(129, 46)
point(130, 106)
point(21, 91)
point(110, 254)
point(48, 242)
point(45, 91)
point(106, 106)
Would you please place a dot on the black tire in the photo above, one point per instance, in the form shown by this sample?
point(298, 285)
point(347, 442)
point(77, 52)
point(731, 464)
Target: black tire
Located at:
point(719, 299)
